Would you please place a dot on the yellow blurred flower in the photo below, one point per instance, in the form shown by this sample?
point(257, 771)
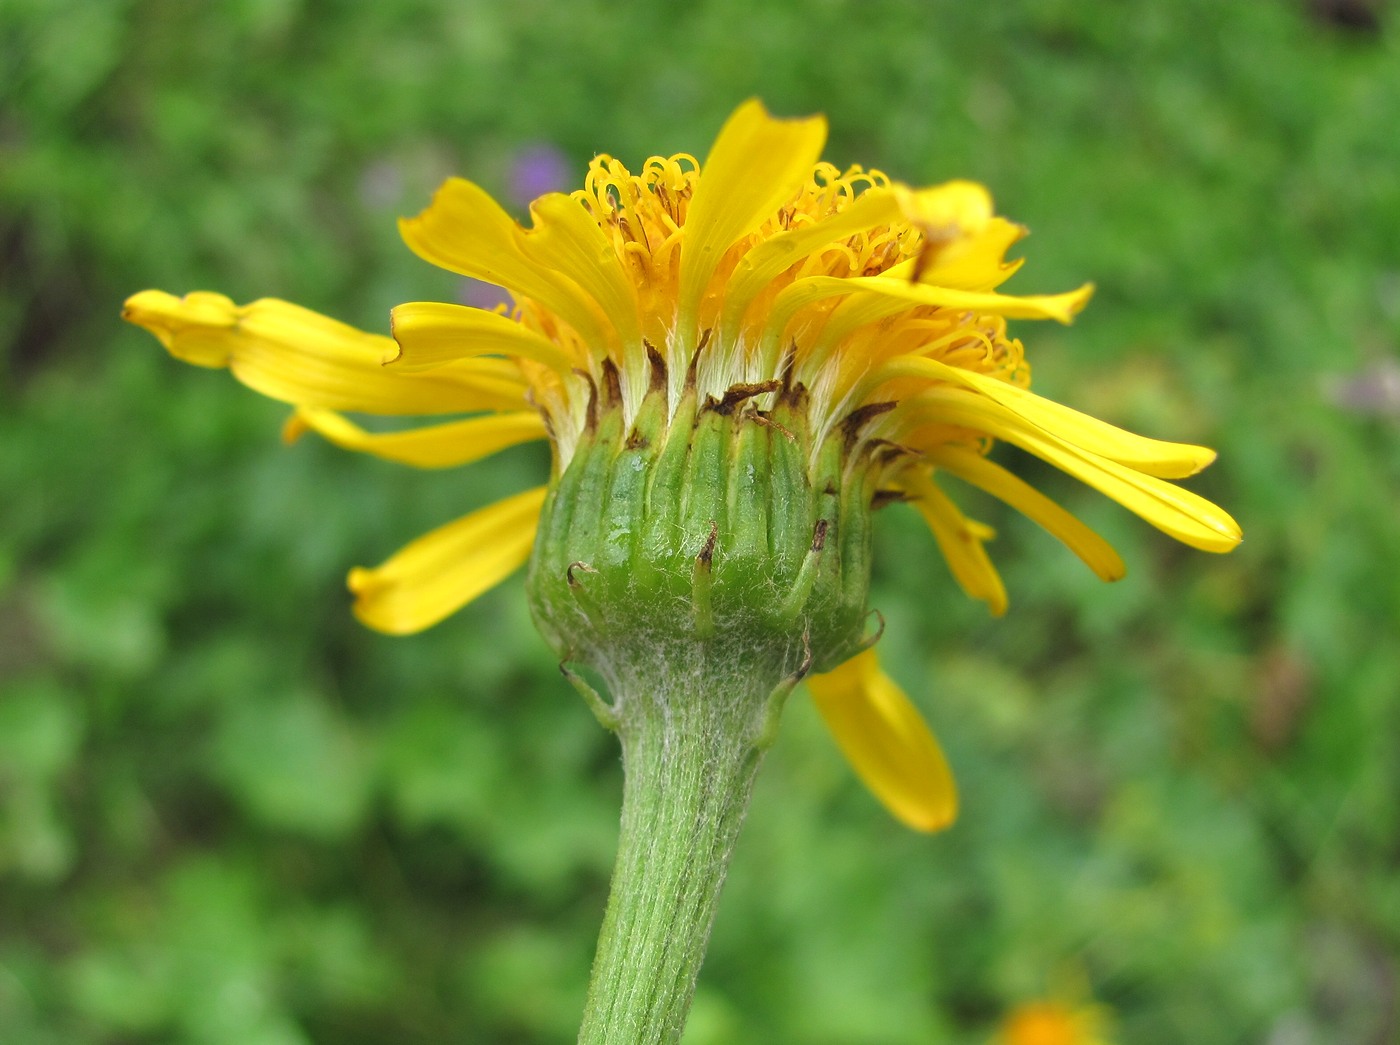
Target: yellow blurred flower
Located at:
point(1052, 1023)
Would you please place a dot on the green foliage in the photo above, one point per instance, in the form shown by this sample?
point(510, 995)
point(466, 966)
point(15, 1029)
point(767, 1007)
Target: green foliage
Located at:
point(230, 815)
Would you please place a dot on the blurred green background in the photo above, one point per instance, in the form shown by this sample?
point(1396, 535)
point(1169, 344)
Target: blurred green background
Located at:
point(228, 814)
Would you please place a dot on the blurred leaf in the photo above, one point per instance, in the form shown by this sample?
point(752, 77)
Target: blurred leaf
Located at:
point(293, 764)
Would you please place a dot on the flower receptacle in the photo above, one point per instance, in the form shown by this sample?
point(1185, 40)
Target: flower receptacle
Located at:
point(726, 526)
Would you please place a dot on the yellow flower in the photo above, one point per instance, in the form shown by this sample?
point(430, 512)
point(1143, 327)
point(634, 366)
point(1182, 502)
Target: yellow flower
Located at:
point(759, 277)
point(1052, 1023)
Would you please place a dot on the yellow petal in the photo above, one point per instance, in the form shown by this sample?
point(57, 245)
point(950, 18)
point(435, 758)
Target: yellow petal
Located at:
point(199, 328)
point(961, 540)
point(465, 231)
point(755, 164)
point(953, 209)
point(901, 294)
point(768, 259)
point(567, 237)
point(1152, 456)
point(442, 571)
point(436, 446)
point(1096, 552)
point(887, 743)
point(978, 262)
point(871, 298)
point(1186, 516)
point(947, 215)
point(431, 333)
point(298, 356)
point(1180, 513)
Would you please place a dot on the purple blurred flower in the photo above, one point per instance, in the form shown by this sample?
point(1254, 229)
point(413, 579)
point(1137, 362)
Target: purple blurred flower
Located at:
point(1373, 390)
point(534, 170)
point(381, 185)
point(479, 294)
point(537, 169)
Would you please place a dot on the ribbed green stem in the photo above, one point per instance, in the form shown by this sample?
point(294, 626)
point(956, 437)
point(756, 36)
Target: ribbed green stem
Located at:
point(690, 751)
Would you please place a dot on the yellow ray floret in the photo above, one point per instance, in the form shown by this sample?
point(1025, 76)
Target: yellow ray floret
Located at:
point(1095, 552)
point(752, 168)
point(433, 333)
point(961, 540)
point(298, 356)
point(442, 571)
point(466, 231)
point(1053, 1023)
point(1150, 456)
point(1184, 515)
point(887, 743)
point(447, 445)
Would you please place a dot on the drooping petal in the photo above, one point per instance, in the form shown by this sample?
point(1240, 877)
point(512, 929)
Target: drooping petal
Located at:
point(755, 164)
point(887, 742)
point(1180, 513)
point(464, 230)
point(301, 357)
point(436, 446)
point(442, 571)
point(431, 333)
point(1096, 552)
point(961, 541)
point(1184, 515)
point(1152, 456)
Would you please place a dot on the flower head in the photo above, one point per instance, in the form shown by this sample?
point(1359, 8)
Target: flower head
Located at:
point(735, 363)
